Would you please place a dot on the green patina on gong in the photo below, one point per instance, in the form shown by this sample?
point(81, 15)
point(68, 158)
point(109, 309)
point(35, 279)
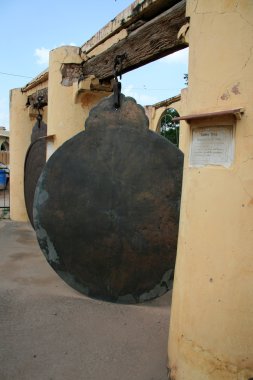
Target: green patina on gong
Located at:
point(106, 206)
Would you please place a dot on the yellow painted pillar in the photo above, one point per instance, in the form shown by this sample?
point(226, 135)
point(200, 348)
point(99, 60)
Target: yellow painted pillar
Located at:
point(211, 327)
point(65, 118)
point(20, 137)
point(67, 112)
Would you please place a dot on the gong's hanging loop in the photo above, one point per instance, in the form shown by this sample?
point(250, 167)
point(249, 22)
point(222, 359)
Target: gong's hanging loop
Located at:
point(39, 105)
point(116, 84)
point(118, 65)
point(116, 91)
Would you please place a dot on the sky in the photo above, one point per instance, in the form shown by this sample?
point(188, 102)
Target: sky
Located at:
point(30, 29)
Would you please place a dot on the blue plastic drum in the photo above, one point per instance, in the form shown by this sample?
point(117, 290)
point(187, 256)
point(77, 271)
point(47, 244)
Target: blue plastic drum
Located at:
point(3, 179)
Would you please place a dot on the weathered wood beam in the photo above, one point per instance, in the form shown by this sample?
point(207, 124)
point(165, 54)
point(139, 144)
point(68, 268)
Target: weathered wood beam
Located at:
point(153, 40)
point(130, 18)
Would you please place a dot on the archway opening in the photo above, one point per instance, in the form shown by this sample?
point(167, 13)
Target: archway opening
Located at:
point(169, 128)
point(4, 146)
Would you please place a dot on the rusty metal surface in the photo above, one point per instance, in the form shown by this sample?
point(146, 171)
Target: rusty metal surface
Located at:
point(34, 163)
point(106, 206)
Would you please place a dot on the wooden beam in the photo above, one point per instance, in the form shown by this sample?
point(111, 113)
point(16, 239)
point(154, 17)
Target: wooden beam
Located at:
point(130, 18)
point(153, 40)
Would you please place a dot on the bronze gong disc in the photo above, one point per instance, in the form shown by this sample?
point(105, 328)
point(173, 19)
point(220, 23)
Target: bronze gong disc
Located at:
point(106, 206)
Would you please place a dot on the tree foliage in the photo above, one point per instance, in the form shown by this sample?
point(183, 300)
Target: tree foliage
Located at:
point(169, 128)
point(186, 79)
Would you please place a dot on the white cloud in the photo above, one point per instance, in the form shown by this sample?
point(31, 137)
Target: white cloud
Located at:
point(63, 44)
point(42, 55)
point(180, 56)
point(141, 98)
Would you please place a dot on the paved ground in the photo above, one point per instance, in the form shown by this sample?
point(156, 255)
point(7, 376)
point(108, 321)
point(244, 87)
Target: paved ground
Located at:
point(51, 332)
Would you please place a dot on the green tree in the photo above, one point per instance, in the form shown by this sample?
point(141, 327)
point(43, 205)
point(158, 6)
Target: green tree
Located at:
point(169, 128)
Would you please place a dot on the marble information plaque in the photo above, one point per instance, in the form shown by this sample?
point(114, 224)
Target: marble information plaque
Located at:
point(212, 146)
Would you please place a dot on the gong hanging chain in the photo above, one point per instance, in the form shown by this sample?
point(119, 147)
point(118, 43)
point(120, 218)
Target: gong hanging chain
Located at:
point(39, 104)
point(116, 84)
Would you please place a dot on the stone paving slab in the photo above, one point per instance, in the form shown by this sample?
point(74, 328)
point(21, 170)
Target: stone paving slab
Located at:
point(51, 332)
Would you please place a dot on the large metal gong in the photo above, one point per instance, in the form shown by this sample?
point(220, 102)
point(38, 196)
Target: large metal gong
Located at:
point(34, 163)
point(106, 206)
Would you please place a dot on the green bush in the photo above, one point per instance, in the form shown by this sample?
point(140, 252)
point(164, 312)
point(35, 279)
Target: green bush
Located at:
point(169, 128)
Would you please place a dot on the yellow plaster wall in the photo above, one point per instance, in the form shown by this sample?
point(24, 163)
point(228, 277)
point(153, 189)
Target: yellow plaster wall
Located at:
point(62, 111)
point(68, 108)
point(22, 120)
point(67, 112)
point(20, 137)
point(211, 327)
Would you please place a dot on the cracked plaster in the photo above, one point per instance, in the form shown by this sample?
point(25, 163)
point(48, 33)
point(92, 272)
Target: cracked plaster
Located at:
point(213, 362)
